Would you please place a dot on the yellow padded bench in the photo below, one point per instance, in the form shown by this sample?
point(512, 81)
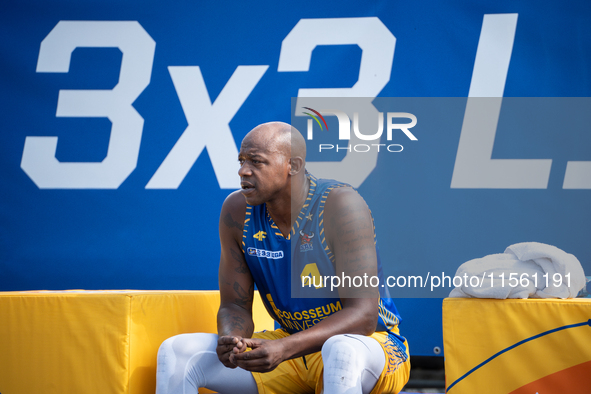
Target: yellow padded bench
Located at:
point(97, 341)
point(517, 346)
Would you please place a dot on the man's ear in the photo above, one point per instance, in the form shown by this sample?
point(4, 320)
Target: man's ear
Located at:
point(296, 164)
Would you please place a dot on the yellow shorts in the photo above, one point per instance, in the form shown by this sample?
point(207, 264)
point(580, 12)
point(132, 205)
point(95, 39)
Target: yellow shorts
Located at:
point(292, 376)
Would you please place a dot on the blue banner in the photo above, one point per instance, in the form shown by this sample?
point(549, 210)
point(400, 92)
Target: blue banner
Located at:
point(122, 122)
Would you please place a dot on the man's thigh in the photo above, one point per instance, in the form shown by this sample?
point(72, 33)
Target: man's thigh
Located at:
point(397, 368)
point(298, 375)
point(304, 374)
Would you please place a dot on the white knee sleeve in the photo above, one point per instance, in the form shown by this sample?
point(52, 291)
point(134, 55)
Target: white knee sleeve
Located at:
point(165, 366)
point(352, 364)
point(189, 361)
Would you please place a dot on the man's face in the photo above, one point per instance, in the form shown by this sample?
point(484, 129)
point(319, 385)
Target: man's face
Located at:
point(264, 169)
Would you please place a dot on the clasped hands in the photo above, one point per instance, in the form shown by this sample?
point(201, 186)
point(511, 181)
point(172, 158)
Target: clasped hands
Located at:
point(264, 356)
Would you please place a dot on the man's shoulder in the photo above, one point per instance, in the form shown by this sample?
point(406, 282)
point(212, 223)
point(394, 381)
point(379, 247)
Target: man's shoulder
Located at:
point(340, 196)
point(233, 213)
point(327, 183)
point(344, 198)
point(235, 202)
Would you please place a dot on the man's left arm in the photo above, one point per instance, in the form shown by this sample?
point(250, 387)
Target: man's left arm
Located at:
point(350, 235)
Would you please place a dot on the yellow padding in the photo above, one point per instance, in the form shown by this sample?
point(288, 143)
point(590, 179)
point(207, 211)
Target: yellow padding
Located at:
point(500, 346)
point(97, 341)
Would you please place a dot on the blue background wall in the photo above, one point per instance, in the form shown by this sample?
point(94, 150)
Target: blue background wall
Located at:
point(133, 237)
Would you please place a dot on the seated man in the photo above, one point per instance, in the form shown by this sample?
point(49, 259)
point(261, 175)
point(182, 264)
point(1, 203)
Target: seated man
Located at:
point(331, 342)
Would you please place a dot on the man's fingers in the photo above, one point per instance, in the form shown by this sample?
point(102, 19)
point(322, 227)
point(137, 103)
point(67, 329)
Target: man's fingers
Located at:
point(237, 350)
point(252, 355)
point(240, 347)
point(263, 357)
point(246, 361)
point(254, 365)
point(227, 344)
point(224, 358)
point(224, 348)
point(228, 340)
point(252, 342)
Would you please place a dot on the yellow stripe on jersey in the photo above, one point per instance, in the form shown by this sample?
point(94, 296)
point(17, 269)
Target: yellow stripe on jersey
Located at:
point(389, 319)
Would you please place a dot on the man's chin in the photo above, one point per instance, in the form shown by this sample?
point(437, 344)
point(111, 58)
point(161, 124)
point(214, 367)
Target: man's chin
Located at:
point(251, 199)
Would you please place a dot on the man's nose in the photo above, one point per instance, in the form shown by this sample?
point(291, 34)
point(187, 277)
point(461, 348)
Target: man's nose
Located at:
point(244, 170)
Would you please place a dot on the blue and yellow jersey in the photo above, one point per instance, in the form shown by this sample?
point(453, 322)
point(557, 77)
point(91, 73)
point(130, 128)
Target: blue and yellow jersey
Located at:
point(277, 264)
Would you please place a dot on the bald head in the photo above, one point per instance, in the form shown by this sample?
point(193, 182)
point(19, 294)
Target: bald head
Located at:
point(278, 137)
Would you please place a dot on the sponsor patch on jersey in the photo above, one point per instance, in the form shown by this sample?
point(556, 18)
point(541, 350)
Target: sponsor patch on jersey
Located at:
point(306, 241)
point(260, 235)
point(270, 254)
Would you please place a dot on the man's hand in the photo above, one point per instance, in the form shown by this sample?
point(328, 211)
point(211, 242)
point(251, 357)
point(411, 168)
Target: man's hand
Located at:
point(228, 345)
point(265, 355)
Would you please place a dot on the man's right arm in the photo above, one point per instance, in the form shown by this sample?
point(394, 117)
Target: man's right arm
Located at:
point(236, 284)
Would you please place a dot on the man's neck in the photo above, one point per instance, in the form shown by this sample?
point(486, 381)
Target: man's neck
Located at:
point(285, 211)
point(298, 197)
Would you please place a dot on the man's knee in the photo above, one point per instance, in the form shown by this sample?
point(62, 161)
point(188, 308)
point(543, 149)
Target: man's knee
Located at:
point(340, 342)
point(357, 350)
point(181, 358)
point(184, 346)
point(340, 360)
point(341, 345)
point(165, 352)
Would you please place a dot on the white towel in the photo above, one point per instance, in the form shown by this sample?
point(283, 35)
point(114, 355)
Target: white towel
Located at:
point(527, 263)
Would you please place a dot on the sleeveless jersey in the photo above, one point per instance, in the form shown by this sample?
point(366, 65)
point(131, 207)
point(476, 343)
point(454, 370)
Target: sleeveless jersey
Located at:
point(269, 256)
